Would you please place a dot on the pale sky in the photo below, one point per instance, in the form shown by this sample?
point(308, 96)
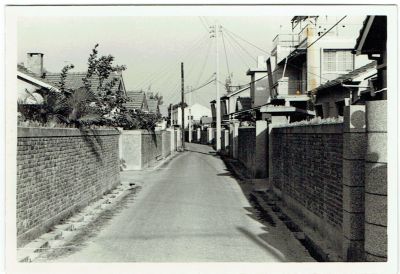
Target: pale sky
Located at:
point(153, 47)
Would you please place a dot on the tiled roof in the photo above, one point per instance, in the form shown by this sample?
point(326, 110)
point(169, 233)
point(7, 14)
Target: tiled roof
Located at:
point(152, 105)
point(243, 103)
point(74, 80)
point(135, 100)
point(361, 31)
point(347, 77)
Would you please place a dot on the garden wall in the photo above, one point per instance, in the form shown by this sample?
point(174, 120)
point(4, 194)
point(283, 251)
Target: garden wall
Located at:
point(246, 147)
point(142, 148)
point(166, 143)
point(59, 171)
point(307, 166)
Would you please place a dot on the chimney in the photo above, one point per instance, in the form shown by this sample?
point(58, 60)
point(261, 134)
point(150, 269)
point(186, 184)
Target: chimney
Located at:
point(34, 62)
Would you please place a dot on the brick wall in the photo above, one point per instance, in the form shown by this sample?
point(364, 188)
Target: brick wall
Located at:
point(59, 170)
point(307, 173)
point(246, 147)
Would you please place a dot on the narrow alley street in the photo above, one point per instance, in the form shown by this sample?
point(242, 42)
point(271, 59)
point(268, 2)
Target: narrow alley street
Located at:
point(189, 210)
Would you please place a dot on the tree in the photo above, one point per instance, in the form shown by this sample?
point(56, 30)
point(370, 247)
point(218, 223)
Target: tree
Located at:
point(63, 77)
point(102, 67)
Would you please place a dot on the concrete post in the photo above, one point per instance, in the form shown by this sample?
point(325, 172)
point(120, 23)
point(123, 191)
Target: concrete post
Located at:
point(179, 138)
point(209, 135)
point(225, 136)
point(190, 134)
point(234, 138)
point(376, 182)
point(261, 157)
point(198, 135)
point(354, 148)
point(172, 139)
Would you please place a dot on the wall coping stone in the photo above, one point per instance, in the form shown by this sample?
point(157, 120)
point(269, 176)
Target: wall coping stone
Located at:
point(311, 129)
point(37, 132)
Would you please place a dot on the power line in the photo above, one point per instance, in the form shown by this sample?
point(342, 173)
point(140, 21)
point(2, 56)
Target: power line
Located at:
point(204, 24)
point(167, 67)
point(327, 31)
point(203, 85)
point(246, 41)
point(238, 53)
point(204, 63)
point(189, 54)
point(244, 49)
point(226, 56)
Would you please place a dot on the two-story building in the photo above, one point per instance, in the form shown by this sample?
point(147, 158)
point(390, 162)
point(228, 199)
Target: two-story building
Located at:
point(192, 113)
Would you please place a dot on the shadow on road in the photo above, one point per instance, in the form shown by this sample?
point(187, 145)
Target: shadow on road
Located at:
point(268, 248)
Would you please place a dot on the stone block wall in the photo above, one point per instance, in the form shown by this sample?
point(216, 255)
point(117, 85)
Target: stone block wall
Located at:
point(307, 163)
point(246, 147)
point(59, 171)
point(376, 185)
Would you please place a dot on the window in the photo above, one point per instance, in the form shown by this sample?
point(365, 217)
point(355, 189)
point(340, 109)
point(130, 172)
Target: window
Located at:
point(338, 60)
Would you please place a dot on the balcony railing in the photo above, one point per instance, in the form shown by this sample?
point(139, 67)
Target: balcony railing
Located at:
point(286, 40)
point(284, 86)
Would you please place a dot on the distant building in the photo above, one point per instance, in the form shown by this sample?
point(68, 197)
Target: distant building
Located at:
point(206, 121)
point(194, 112)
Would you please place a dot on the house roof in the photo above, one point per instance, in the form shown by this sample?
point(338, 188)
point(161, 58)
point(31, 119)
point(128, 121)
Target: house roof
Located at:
point(366, 43)
point(32, 77)
point(243, 103)
point(74, 80)
point(152, 104)
point(347, 77)
point(135, 100)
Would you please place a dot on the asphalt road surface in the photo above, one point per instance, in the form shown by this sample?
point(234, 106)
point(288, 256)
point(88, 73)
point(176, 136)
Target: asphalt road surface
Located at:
point(190, 210)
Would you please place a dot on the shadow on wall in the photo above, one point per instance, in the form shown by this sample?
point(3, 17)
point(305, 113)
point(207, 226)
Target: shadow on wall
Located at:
point(94, 141)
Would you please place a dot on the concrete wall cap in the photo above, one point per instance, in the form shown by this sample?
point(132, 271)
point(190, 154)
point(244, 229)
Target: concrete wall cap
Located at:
point(32, 132)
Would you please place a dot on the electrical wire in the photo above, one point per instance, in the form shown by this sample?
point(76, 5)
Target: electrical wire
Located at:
point(226, 56)
point(204, 25)
point(237, 52)
point(204, 64)
point(244, 49)
point(248, 42)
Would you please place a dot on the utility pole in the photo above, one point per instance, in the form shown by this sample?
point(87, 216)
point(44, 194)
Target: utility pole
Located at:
point(183, 107)
point(171, 118)
point(190, 114)
point(218, 100)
